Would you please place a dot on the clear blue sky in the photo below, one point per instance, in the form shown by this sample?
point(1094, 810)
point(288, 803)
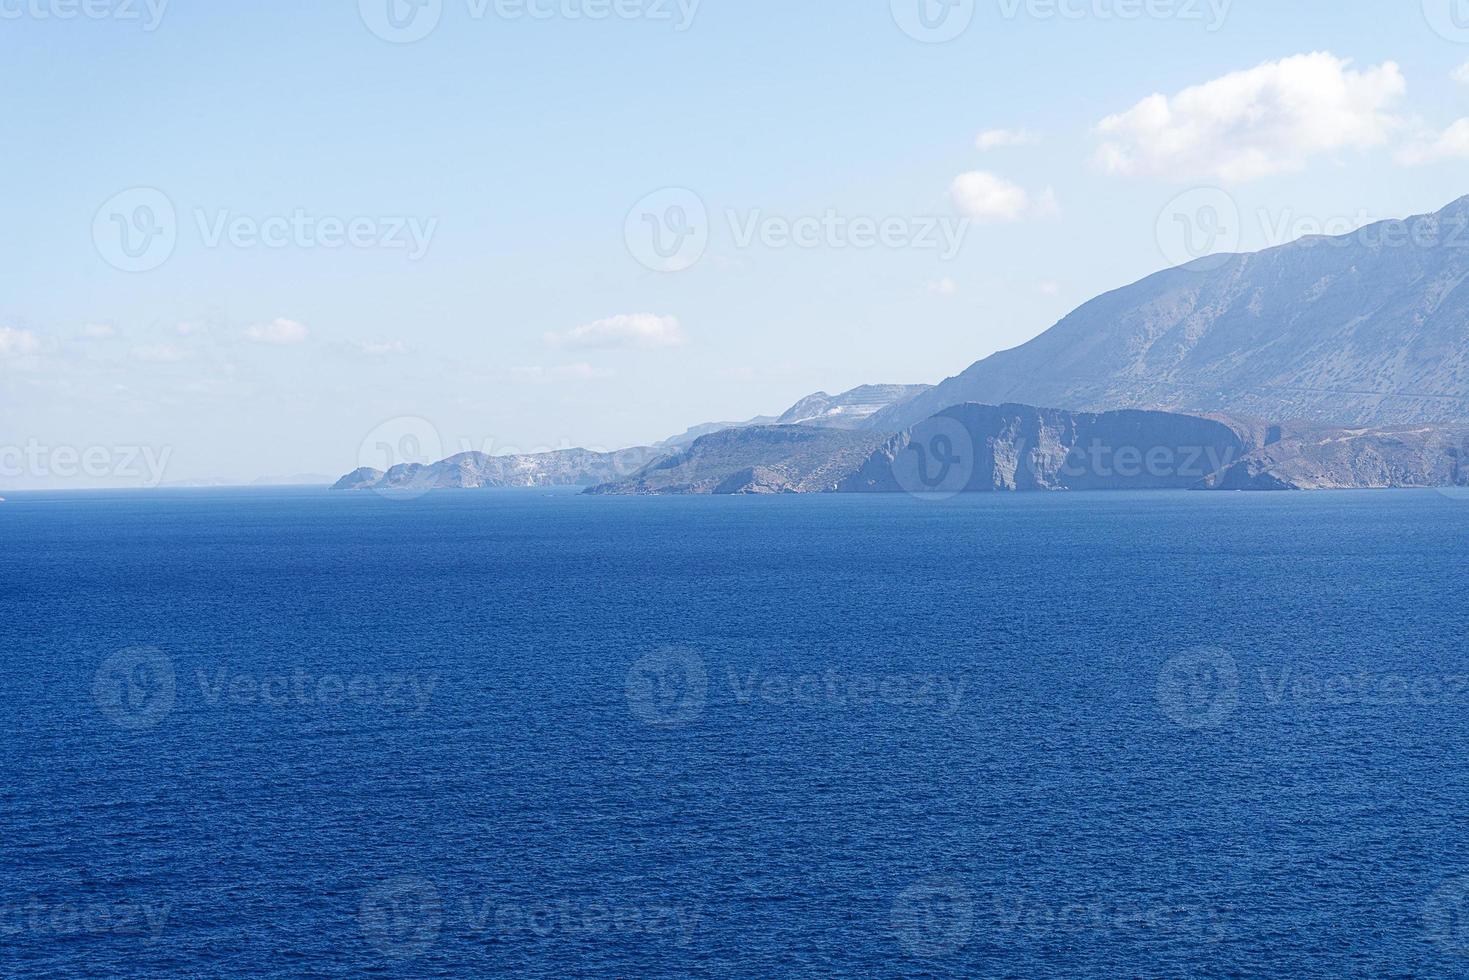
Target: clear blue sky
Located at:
point(523, 143)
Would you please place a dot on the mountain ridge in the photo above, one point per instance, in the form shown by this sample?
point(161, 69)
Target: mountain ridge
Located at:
point(1369, 328)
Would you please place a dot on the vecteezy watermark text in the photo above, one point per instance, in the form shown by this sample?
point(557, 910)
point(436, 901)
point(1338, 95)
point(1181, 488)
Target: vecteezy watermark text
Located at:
point(669, 230)
point(138, 230)
point(1104, 460)
point(1211, 13)
point(1203, 689)
point(300, 688)
point(137, 688)
point(408, 21)
point(301, 229)
point(148, 14)
point(940, 21)
point(843, 690)
point(144, 465)
point(62, 920)
point(936, 919)
point(1205, 226)
point(404, 917)
point(673, 686)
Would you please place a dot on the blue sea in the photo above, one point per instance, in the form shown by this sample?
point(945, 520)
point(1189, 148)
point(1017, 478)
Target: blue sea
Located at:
point(531, 733)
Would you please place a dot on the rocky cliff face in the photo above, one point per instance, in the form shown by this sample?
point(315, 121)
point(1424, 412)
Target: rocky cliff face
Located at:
point(1344, 459)
point(566, 468)
point(761, 459)
point(1367, 329)
point(1013, 448)
point(975, 448)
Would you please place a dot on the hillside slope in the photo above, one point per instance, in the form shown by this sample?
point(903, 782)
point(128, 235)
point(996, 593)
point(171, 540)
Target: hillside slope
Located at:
point(1370, 328)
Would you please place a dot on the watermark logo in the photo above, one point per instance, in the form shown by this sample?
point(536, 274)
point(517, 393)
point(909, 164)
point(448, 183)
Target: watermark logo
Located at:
point(147, 13)
point(1211, 13)
point(408, 21)
point(1200, 689)
point(933, 21)
point(135, 689)
point(301, 690)
point(835, 689)
point(401, 918)
point(1203, 689)
point(68, 920)
point(668, 688)
point(138, 688)
point(933, 919)
point(833, 230)
point(1448, 18)
point(303, 230)
point(668, 230)
point(938, 461)
point(1146, 464)
point(136, 230)
point(1202, 226)
point(404, 918)
point(1446, 917)
point(401, 21)
point(402, 448)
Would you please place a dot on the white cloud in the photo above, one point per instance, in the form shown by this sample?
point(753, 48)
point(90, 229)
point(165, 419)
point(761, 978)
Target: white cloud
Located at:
point(1049, 287)
point(984, 196)
point(160, 354)
point(635, 331)
point(1461, 74)
point(563, 372)
point(1249, 124)
point(943, 287)
point(280, 332)
point(18, 343)
point(99, 331)
point(1451, 144)
point(993, 138)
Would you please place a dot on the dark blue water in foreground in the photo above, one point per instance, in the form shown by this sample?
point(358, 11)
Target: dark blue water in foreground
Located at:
point(285, 733)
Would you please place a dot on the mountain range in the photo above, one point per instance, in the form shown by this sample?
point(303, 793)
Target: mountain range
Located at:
point(581, 467)
point(974, 448)
point(1330, 362)
point(1370, 328)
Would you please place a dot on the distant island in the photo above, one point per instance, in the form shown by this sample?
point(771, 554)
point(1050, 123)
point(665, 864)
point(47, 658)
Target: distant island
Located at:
point(1328, 363)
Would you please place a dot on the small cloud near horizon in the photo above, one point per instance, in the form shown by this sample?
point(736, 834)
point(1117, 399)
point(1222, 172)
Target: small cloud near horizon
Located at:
point(99, 331)
point(992, 139)
point(987, 197)
point(15, 342)
point(382, 348)
point(279, 332)
point(633, 331)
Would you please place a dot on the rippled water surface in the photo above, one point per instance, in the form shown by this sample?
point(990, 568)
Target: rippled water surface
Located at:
point(534, 733)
